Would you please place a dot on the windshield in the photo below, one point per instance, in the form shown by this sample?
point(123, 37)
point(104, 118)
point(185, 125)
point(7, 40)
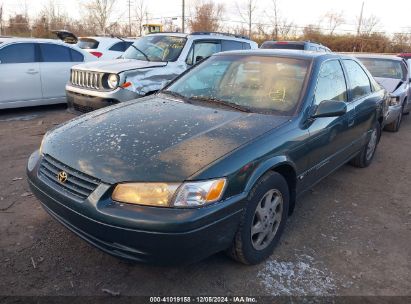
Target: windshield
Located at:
point(384, 68)
point(258, 83)
point(156, 48)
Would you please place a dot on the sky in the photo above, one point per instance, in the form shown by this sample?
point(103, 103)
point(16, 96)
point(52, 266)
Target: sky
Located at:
point(394, 18)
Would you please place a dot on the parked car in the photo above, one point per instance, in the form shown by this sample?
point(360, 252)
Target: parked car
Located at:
point(105, 48)
point(213, 162)
point(392, 73)
point(146, 67)
point(295, 45)
point(405, 55)
point(35, 71)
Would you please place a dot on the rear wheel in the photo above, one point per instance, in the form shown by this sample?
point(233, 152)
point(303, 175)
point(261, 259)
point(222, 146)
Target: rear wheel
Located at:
point(263, 221)
point(365, 157)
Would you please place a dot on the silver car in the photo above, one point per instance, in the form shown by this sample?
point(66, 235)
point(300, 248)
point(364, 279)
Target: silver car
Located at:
point(146, 67)
point(392, 73)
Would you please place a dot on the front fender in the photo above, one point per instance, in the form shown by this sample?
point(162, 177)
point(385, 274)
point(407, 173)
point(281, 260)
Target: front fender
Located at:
point(263, 167)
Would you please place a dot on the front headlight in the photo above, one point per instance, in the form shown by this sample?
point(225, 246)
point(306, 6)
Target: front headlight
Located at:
point(191, 194)
point(112, 81)
point(394, 101)
point(41, 145)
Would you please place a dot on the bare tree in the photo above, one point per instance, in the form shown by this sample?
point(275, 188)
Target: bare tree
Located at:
point(247, 13)
point(369, 24)
point(1, 19)
point(286, 29)
point(275, 18)
point(100, 11)
point(334, 20)
point(140, 14)
point(206, 17)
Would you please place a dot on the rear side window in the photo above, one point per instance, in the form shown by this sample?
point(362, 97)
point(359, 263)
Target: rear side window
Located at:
point(18, 53)
point(360, 83)
point(120, 46)
point(54, 53)
point(227, 45)
point(76, 56)
point(331, 83)
point(246, 46)
point(87, 43)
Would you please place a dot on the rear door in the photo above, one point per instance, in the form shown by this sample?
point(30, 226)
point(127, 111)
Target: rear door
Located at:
point(55, 65)
point(20, 73)
point(364, 99)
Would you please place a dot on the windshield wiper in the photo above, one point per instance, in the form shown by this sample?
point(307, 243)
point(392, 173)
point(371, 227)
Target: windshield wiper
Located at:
point(221, 102)
point(175, 94)
point(136, 48)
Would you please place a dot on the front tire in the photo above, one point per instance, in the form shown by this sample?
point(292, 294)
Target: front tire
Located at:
point(365, 157)
point(263, 221)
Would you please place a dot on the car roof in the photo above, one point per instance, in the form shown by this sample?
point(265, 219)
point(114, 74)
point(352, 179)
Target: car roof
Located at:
point(377, 56)
point(300, 54)
point(108, 39)
point(203, 35)
point(19, 39)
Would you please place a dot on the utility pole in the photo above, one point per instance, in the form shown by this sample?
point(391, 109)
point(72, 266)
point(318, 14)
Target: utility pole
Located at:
point(182, 21)
point(360, 19)
point(129, 18)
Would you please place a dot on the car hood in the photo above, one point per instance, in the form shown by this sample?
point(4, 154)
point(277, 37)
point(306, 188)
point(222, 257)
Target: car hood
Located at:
point(389, 84)
point(118, 65)
point(153, 139)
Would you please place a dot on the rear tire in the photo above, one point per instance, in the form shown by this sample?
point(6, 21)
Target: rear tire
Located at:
point(263, 221)
point(366, 155)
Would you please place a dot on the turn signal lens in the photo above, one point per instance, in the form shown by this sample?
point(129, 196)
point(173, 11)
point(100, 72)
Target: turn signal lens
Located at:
point(194, 194)
point(149, 194)
point(126, 84)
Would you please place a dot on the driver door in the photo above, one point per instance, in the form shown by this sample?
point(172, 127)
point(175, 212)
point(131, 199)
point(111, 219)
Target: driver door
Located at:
point(330, 137)
point(202, 49)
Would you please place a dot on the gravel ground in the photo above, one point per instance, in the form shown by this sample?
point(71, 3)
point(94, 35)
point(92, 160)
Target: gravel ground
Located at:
point(350, 235)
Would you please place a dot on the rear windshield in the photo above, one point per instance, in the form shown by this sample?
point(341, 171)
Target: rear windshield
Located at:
point(87, 43)
point(384, 68)
point(282, 45)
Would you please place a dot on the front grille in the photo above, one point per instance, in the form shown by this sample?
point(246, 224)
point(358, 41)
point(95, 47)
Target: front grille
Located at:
point(87, 79)
point(78, 185)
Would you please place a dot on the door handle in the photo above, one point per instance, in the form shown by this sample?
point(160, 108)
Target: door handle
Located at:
point(32, 71)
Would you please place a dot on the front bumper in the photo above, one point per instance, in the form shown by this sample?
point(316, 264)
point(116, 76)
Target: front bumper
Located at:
point(152, 235)
point(86, 100)
point(392, 114)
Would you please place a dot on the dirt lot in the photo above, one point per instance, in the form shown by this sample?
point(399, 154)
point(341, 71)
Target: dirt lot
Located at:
point(348, 236)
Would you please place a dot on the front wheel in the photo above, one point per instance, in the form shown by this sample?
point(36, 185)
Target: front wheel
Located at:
point(263, 221)
point(365, 157)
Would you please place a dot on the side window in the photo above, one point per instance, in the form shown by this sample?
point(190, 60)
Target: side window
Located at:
point(230, 45)
point(331, 83)
point(201, 50)
point(18, 53)
point(246, 46)
point(76, 56)
point(54, 53)
point(119, 47)
point(360, 83)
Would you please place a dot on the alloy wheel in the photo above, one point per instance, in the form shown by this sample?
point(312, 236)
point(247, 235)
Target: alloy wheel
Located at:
point(267, 219)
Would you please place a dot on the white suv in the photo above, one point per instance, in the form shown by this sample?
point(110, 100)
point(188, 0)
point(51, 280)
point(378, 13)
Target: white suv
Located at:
point(146, 67)
point(100, 46)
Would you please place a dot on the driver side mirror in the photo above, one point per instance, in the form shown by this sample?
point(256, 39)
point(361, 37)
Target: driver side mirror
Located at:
point(330, 108)
point(199, 58)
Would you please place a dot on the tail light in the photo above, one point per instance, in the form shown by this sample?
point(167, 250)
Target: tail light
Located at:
point(97, 54)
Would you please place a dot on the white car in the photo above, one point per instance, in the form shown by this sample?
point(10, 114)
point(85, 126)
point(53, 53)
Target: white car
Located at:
point(35, 71)
point(104, 48)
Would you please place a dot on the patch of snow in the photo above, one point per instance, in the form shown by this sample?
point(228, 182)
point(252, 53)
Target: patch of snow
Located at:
point(299, 277)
